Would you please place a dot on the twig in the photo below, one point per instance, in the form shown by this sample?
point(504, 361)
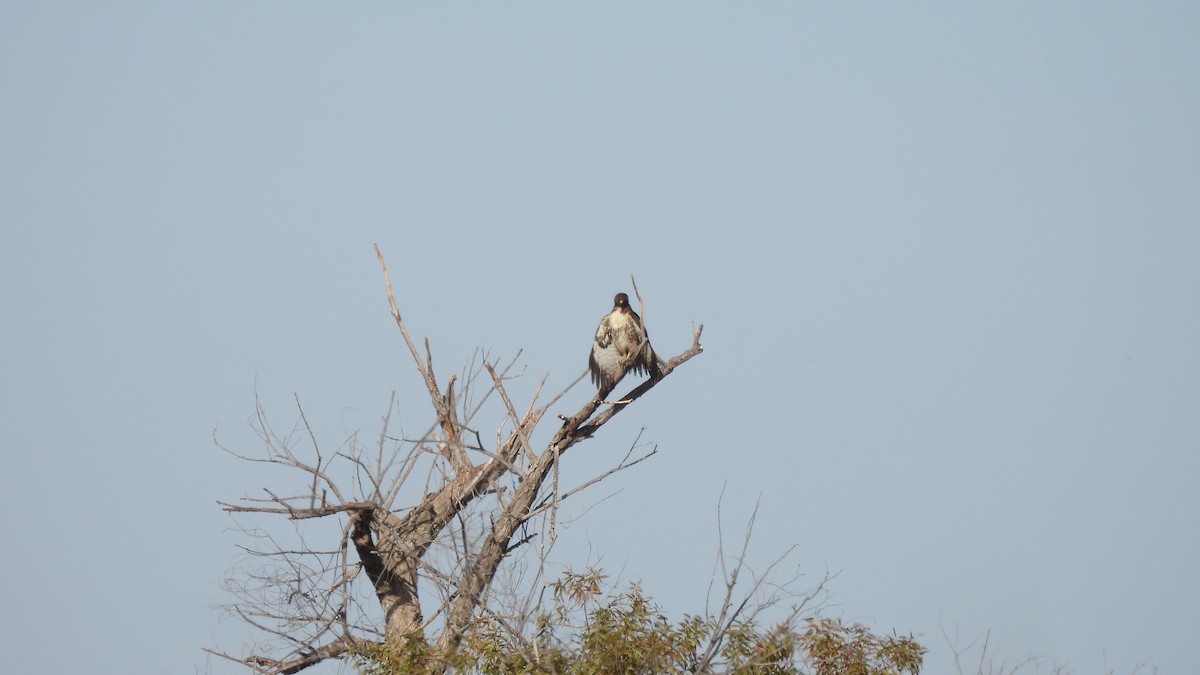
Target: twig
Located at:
point(518, 424)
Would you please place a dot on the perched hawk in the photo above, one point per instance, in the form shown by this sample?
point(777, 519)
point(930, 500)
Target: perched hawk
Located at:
point(622, 344)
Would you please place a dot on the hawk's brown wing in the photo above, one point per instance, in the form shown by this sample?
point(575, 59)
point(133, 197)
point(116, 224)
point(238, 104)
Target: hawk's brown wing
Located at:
point(647, 360)
point(605, 361)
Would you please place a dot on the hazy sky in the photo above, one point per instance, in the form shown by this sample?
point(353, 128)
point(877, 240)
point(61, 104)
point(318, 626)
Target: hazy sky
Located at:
point(947, 257)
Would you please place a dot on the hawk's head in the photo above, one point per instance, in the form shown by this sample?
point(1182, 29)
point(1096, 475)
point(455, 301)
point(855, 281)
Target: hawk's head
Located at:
point(621, 301)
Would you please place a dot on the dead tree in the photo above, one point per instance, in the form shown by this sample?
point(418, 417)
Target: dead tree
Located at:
point(425, 522)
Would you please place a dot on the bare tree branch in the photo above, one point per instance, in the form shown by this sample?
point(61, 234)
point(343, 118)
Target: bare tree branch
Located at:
point(263, 664)
point(734, 605)
point(460, 526)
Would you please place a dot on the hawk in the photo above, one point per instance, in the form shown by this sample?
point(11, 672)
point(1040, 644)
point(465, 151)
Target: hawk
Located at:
point(622, 344)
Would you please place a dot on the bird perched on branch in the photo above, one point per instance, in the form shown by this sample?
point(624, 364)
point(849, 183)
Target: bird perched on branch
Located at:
point(622, 344)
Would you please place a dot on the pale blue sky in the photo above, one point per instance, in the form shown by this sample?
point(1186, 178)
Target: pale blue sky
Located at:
point(946, 256)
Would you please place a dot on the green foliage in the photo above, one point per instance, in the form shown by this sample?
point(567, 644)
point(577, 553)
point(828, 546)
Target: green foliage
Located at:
point(414, 657)
point(836, 649)
point(749, 651)
point(627, 635)
point(583, 632)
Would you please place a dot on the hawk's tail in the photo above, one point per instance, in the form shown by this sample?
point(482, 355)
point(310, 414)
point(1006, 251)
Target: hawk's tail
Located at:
point(656, 364)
